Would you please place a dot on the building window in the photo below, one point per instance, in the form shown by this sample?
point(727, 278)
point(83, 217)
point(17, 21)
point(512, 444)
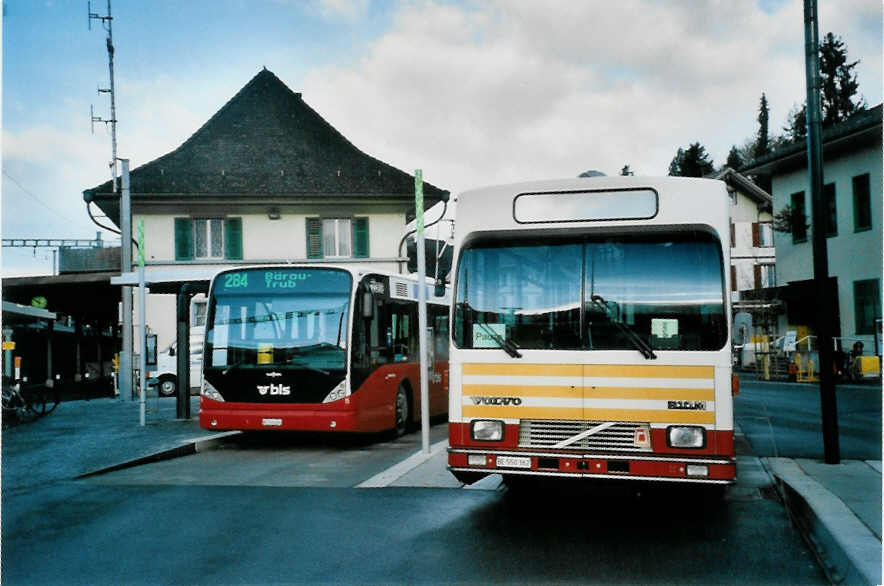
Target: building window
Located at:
point(199, 314)
point(799, 218)
point(208, 238)
point(733, 277)
point(866, 305)
point(765, 276)
point(765, 234)
point(337, 238)
point(831, 210)
point(862, 205)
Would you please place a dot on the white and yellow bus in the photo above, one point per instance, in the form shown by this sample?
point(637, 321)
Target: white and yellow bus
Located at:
point(591, 332)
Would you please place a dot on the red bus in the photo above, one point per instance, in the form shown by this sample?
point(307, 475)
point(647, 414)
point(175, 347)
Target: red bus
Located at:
point(319, 348)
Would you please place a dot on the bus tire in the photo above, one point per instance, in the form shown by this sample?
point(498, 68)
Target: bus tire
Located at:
point(168, 385)
point(401, 412)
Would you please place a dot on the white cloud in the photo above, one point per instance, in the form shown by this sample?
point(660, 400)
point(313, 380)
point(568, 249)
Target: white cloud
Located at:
point(348, 9)
point(514, 90)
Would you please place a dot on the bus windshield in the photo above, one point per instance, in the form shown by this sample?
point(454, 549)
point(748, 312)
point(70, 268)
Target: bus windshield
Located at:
point(663, 291)
point(284, 318)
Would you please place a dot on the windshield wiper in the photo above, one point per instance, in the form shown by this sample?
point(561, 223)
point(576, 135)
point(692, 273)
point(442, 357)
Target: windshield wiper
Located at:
point(233, 366)
point(507, 345)
point(636, 340)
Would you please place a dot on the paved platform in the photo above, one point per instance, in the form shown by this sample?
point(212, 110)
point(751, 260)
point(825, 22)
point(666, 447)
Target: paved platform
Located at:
point(837, 506)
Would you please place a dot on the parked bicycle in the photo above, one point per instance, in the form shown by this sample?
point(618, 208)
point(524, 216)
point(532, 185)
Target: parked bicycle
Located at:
point(25, 403)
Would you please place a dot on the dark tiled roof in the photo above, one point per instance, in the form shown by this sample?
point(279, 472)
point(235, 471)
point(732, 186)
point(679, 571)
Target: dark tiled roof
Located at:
point(265, 141)
point(864, 122)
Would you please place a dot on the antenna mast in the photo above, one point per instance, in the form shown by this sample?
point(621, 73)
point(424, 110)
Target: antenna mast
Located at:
point(107, 24)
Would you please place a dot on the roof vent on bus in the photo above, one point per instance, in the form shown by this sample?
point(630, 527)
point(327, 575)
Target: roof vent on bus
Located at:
point(400, 289)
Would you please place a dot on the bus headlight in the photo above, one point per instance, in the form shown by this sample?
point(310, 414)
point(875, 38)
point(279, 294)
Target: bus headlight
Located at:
point(686, 436)
point(210, 392)
point(339, 392)
point(485, 430)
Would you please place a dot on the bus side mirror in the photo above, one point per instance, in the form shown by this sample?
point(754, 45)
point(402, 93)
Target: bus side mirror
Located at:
point(150, 345)
point(439, 290)
point(367, 305)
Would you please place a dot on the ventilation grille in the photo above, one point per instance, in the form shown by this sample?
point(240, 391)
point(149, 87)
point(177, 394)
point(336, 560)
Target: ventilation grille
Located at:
point(399, 289)
point(545, 433)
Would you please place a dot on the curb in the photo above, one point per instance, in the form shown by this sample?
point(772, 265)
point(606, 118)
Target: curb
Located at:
point(188, 448)
point(845, 548)
point(395, 472)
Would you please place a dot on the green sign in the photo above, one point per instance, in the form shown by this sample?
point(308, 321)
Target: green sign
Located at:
point(38, 302)
point(141, 243)
point(419, 199)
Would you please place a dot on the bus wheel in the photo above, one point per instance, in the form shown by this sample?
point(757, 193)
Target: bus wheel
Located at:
point(168, 385)
point(402, 412)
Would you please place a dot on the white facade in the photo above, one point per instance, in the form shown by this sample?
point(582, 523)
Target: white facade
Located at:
point(264, 241)
point(753, 255)
point(853, 254)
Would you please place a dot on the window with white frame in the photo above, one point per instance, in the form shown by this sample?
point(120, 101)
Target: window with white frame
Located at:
point(208, 238)
point(336, 237)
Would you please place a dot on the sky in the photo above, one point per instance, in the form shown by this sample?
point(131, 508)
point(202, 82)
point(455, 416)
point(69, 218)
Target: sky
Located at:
point(472, 93)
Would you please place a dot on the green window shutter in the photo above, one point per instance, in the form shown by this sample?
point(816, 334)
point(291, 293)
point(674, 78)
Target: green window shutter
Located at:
point(360, 237)
point(183, 239)
point(233, 238)
point(314, 238)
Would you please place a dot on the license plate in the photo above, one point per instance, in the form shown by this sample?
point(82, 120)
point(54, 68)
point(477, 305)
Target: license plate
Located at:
point(513, 462)
point(271, 422)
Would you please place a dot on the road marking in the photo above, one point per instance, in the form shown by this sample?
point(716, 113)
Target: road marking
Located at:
point(395, 472)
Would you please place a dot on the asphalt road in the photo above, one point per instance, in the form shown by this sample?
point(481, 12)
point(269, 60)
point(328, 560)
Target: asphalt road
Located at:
point(784, 420)
point(86, 533)
point(284, 510)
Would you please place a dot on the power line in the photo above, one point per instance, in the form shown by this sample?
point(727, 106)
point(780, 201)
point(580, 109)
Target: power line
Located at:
point(35, 198)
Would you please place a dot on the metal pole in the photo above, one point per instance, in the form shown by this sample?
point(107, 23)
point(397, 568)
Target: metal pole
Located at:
point(183, 356)
point(422, 308)
point(126, 266)
point(142, 366)
point(7, 353)
point(828, 404)
point(113, 120)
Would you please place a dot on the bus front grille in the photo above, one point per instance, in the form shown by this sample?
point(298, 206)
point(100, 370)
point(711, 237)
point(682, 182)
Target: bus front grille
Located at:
point(545, 433)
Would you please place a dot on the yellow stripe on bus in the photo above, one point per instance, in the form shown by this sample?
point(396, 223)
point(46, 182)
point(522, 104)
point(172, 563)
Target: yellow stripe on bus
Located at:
point(591, 392)
point(524, 369)
point(590, 370)
point(576, 413)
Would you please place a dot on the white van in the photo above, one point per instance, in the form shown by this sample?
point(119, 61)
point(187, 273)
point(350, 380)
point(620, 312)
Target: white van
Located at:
point(166, 370)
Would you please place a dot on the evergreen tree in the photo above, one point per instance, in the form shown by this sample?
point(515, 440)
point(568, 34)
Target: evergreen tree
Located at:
point(693, 162)
point(838, 82)
point(762, 141)
point(796, 123)
point(838, 90)
point(734, 159)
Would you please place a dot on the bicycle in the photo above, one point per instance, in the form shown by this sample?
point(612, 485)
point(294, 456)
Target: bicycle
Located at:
point(28, 403)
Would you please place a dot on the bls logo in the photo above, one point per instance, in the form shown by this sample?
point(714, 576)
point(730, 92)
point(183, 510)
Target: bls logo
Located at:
point(274, 389)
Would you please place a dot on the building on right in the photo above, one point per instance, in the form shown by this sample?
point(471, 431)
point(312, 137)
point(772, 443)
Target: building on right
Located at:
point(852, 180)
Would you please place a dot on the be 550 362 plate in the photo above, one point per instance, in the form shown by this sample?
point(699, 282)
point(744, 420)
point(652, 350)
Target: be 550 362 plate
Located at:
point(513, 462)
